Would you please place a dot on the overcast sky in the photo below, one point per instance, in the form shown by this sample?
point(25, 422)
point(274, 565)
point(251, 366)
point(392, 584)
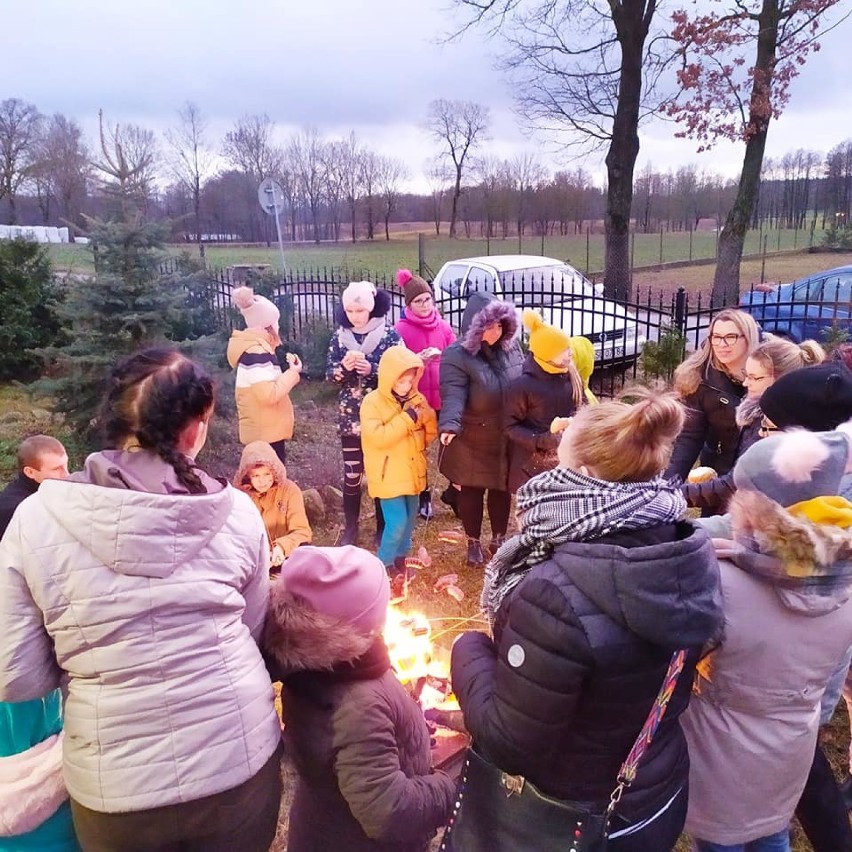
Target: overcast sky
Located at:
point(371, 66)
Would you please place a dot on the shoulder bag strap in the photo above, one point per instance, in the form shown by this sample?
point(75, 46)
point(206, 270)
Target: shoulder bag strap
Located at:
point(627, 773)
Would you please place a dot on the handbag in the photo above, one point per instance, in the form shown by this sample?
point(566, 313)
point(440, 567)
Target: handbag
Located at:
point(498, 812)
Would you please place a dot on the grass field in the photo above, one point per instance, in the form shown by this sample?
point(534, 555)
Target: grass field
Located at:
point(383, 258)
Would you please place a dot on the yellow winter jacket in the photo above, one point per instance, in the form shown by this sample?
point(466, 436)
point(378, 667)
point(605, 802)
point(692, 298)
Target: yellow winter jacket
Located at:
point(395, 445)
point(262, 390)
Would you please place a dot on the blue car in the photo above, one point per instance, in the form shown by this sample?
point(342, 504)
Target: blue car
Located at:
point(805, 309)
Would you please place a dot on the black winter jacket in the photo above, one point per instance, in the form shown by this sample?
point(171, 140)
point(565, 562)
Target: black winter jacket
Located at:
point(712, 495)
point(580, 651)
point(535, 398)
point(711, 433)
point(12, 496)
point(475, 379)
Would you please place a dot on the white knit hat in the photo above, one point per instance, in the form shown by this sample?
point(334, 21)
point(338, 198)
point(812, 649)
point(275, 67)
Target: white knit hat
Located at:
point(257, 311)
point(359, 294)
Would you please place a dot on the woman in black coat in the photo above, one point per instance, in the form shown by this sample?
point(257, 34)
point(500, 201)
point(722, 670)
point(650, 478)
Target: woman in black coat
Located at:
point(588, 603)
point(475, 375)
point(710, 383)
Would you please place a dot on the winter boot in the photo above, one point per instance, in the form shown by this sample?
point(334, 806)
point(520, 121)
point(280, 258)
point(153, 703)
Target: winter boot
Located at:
point(398, 580)
point(351, 513)
point(450, 497)
point(475, 555)
point(425, 511)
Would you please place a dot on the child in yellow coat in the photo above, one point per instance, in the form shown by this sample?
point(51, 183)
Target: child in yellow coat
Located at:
point(397, 424)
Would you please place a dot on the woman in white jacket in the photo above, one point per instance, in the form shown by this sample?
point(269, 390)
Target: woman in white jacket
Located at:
point(140, 586)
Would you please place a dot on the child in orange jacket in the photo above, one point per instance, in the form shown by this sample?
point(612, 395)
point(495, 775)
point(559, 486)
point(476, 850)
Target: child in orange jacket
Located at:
point(279, 500)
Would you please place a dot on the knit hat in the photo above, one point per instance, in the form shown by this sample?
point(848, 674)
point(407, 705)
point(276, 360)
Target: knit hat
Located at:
point(816, 398)
point(257, 311)
point(792, 467)
point(347, 583)
point(412, 285)
point(359, 294)
point(546, 341)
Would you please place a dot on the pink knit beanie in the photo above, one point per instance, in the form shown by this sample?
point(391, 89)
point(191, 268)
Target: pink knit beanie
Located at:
point(344, 582)
point(257, 311)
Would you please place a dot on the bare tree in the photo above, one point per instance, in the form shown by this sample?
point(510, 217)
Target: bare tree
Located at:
point(725, 96)
point(191, 161)
point(251, 149)
point(306, 153)
point(334, 165)
point(459, 126)
point(351, 153)
point(526, 173)
point(127, 164)
point(591, 69)
point(62, 171)
point(370, 165)
point(391, 173)
point(20, 125)
point(439, 183)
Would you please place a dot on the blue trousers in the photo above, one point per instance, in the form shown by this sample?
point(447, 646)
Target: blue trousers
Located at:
point(779, 842)
point(400, 516)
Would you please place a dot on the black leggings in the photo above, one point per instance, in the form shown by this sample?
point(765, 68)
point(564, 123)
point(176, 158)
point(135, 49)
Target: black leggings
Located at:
point(471, 509)
point(821, 810)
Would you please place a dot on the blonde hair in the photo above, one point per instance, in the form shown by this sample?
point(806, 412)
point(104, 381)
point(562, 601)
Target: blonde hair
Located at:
point(689, 374)
point(578, 390)
point(780, 356)
point(626, 441)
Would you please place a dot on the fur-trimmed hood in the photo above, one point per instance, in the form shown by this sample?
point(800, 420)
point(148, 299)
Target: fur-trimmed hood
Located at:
point(256, 453)
point(298, 638)
point(809, 563)
point(482, 310)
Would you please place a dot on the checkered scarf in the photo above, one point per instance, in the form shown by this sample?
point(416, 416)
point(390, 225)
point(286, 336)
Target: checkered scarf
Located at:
point(562, 505)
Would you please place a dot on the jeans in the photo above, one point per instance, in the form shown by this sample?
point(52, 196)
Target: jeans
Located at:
point(400, 514)
point(778, 842)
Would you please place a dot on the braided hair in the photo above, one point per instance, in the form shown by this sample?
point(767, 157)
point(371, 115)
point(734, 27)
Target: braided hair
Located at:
point(151, 397)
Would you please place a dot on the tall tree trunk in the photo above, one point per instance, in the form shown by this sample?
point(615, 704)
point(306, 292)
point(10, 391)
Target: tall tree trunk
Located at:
point(726, 280)
point(632, 27)
point(456, 194)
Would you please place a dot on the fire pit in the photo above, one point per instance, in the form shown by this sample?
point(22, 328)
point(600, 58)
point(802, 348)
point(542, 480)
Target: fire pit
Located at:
point(426, 675)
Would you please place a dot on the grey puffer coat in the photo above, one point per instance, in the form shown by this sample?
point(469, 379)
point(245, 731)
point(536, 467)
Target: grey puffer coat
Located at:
point(143, 602)
point(475, 379)
point(359, 741)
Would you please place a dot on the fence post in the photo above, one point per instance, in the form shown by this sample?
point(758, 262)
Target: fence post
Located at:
point(588, 231)
point(661, 244)
point(421, 253)
point(680, 311)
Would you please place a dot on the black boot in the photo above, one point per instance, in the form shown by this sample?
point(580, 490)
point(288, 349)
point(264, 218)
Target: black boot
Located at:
point(475, 554)
point(351, 513)
point(425, 511)
point(450, 496)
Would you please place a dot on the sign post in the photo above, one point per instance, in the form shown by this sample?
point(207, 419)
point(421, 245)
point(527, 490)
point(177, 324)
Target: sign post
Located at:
point(271, 198)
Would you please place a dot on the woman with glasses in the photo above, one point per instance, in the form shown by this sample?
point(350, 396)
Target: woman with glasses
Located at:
point(711, 383)
point(774, 358)
point(427, 334)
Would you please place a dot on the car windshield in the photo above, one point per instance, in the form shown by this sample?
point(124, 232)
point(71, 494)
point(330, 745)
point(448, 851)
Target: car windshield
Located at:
point(544, 284)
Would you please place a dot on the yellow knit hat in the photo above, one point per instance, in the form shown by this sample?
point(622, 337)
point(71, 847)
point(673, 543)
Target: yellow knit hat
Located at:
point(546, 341)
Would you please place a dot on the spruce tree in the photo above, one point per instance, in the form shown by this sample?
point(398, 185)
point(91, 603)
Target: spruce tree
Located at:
point(128, 304)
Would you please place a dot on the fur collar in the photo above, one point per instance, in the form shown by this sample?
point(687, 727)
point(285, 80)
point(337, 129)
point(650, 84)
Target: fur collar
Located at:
point(789, 551)
point(298, 638)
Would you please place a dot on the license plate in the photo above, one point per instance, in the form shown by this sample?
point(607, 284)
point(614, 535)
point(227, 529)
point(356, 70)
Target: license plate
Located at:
point(612, 353)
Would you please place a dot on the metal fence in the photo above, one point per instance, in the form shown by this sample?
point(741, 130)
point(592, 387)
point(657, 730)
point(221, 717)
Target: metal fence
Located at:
point(619, 330)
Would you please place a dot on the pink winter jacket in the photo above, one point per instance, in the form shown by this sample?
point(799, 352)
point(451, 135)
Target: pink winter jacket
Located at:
point(419, 334)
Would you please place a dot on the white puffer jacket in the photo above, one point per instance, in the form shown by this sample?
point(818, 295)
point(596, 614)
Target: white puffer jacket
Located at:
point(145, 608)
